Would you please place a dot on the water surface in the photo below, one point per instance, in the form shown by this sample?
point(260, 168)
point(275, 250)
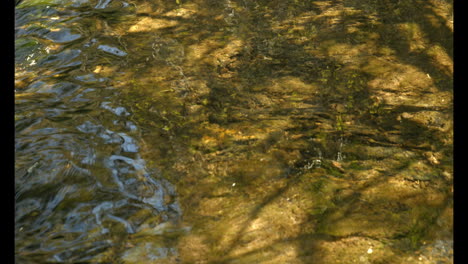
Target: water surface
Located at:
point(233, 131)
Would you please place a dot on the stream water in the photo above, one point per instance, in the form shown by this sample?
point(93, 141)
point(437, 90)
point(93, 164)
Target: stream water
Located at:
point(81, 183)
point(233, 131)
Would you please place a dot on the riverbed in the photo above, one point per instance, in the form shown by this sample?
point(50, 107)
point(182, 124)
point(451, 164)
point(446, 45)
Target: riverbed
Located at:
point(234, 131)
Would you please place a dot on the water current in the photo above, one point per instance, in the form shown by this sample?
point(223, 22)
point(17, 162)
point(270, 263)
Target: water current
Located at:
point(81, 184)
point(233, 131)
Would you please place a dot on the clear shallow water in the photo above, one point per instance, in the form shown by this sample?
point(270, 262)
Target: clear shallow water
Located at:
point(282, 131)
point(81, 185)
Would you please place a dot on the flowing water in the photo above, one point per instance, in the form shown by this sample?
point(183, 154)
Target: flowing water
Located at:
point(81, 184)
point(233, 131)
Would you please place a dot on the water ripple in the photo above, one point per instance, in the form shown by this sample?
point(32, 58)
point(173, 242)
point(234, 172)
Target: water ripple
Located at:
point(81, 185)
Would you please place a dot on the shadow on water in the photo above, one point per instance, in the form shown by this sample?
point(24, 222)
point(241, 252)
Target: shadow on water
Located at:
point(295, 131)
